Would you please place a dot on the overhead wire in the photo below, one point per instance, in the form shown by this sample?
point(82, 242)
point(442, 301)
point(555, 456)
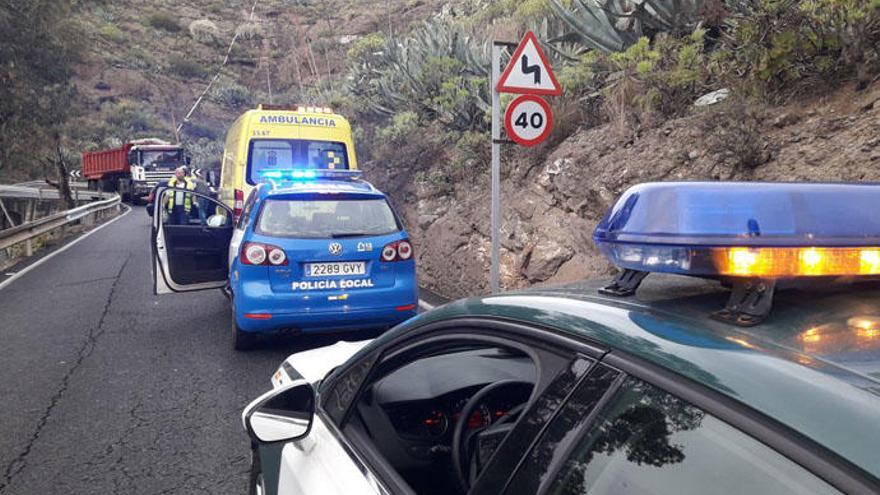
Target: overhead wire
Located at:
point(204, 93)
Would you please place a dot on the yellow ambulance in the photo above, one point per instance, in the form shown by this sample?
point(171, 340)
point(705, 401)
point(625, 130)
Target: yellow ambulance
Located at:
point(272, 138)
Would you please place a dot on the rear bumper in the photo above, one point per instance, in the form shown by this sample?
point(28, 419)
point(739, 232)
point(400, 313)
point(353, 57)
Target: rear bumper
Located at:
point(335, 321)
point(273, 312)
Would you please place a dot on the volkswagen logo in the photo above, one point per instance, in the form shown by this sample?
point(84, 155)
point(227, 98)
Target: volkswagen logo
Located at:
point(335, 248)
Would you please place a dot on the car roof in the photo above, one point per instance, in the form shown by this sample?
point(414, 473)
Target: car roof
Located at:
point(320, 186)
point(809, 366)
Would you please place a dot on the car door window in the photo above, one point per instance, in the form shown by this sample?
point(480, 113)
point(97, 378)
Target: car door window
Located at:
point(645, 441)
point(196, 240)
point(562, 433)
point(417, 411)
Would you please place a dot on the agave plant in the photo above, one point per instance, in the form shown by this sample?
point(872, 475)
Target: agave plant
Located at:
point(421, 71)
point(614, 25)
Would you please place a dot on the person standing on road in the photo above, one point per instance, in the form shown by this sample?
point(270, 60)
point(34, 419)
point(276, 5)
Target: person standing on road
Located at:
point(180, 202)
point(203, 203)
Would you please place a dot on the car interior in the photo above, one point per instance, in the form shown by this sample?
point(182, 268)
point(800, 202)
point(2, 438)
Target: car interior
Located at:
point(437, 418)
point(198, 253)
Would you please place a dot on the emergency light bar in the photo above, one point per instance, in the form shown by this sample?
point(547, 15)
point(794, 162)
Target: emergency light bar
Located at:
point(295, 108)
point(295, 174)
point(753, 234)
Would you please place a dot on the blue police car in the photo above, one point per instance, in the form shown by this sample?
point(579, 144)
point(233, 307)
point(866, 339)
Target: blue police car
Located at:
point(312, 251)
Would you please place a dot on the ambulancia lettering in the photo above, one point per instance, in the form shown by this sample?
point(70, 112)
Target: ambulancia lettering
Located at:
point(297, 120)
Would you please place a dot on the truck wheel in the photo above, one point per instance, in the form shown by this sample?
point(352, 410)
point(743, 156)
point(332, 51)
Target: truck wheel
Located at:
point(241, 340)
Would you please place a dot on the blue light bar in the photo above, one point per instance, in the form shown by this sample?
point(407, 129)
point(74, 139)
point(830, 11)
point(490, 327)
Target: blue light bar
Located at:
point(745, 229)
point(294, 174)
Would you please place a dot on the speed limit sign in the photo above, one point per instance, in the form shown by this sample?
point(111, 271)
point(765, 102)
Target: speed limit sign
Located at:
point(528, 120)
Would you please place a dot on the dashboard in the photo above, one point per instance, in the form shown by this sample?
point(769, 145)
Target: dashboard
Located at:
point(410, 413)
point(434, 419)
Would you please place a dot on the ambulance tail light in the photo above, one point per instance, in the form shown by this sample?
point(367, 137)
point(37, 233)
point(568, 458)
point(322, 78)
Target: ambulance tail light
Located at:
point(238, 204)
point(259, 254)
point(397, 251)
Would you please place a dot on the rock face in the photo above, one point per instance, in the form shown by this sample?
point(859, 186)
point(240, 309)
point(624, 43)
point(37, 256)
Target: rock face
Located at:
point(553, 198)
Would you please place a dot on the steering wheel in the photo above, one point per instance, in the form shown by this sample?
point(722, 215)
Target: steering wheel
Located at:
point(465, 443)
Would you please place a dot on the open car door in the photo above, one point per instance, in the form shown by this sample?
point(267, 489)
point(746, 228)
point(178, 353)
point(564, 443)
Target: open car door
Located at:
point(190, 245)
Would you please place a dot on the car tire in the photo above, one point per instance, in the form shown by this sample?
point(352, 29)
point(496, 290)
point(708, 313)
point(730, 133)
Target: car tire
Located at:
point(256, 484)
point(241, 340)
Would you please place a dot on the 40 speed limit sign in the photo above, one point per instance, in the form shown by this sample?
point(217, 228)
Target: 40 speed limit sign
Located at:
point(528, 120)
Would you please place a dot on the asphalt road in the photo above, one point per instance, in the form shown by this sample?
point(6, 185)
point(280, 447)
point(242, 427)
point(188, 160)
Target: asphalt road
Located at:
point(105, 388)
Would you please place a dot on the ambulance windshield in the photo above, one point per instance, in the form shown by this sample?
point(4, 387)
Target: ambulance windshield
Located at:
point(294, 153)
point(327, 219)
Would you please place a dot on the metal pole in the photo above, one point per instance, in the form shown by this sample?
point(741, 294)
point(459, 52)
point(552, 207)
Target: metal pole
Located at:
point(29, 214)
point(494, 274)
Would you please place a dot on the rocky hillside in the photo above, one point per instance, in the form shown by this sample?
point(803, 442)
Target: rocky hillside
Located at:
point(413, 77)
point(145, 63)
point(553, 197)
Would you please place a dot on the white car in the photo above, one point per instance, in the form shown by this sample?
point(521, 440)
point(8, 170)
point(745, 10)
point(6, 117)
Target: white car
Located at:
point(569, 392)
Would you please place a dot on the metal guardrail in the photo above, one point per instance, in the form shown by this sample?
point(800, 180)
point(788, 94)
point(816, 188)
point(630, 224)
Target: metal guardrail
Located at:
point(28, 231)
point(27, 192)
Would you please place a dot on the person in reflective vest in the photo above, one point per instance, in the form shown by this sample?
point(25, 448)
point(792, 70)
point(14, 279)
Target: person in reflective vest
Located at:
point(179, 202)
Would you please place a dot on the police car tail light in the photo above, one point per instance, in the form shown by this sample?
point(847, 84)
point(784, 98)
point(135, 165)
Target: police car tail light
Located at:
point(404, 250)
point(397, 251)
point(277, 256)
point(253, 253)
point(238, 204)
point(389, 252)
point(754, 236)
point(257, 253)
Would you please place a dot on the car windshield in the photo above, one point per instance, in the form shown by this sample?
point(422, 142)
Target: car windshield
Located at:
point(161, 158)
point(327, 218)
point(274, 154)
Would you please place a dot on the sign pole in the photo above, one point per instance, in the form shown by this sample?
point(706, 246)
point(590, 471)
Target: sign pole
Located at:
point(494, 273)
point(528, 120)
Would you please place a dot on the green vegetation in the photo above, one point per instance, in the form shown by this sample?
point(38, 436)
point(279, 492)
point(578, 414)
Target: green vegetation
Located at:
point(38, 44)
point(633, 63)
point(185, 67)
point(111, 33)
point(204, 31)
point(164, 21)
point(229, 93)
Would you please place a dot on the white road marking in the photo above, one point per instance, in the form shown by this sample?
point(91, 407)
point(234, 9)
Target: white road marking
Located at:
point(65, 248)
point(425, 306)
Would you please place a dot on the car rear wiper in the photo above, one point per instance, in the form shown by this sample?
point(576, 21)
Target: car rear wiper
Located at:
point(348, 234)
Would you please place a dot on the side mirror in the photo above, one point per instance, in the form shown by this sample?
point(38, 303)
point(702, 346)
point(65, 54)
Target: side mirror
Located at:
point(281, 415)
point(149, 208)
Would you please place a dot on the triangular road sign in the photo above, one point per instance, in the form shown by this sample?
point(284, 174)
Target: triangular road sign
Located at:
point(528, 71)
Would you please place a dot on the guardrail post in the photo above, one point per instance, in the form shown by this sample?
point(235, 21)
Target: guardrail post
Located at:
point(29, 212)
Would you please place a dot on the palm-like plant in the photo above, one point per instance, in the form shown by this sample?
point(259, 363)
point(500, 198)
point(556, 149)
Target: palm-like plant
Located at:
point(614, 25)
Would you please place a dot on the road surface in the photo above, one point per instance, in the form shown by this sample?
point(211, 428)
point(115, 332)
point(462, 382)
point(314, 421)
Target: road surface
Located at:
point(105, 388)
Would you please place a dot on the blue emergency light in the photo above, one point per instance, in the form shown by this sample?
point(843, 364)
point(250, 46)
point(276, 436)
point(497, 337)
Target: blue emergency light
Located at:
point(753, 234)
point(299, 174)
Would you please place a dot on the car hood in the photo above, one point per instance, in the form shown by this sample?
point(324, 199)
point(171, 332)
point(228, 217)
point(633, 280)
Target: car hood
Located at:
point(313, 365)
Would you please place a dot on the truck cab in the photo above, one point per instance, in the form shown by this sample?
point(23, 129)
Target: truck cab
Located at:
point(134, 169)
point(153, 161)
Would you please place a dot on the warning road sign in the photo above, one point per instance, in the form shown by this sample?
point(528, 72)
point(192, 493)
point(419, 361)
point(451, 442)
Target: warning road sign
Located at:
point(528, 120)
point(528, 71)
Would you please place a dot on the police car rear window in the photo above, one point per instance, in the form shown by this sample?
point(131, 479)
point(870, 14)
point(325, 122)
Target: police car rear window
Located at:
point(327, 219)
point(275, 154)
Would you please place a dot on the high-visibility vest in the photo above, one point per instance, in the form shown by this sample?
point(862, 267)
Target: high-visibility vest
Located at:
point(187, 198)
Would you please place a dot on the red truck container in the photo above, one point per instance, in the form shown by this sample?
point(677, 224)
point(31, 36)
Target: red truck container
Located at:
point(134, 169)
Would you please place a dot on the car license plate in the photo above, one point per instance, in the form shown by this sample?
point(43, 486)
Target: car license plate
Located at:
point(338, 268)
